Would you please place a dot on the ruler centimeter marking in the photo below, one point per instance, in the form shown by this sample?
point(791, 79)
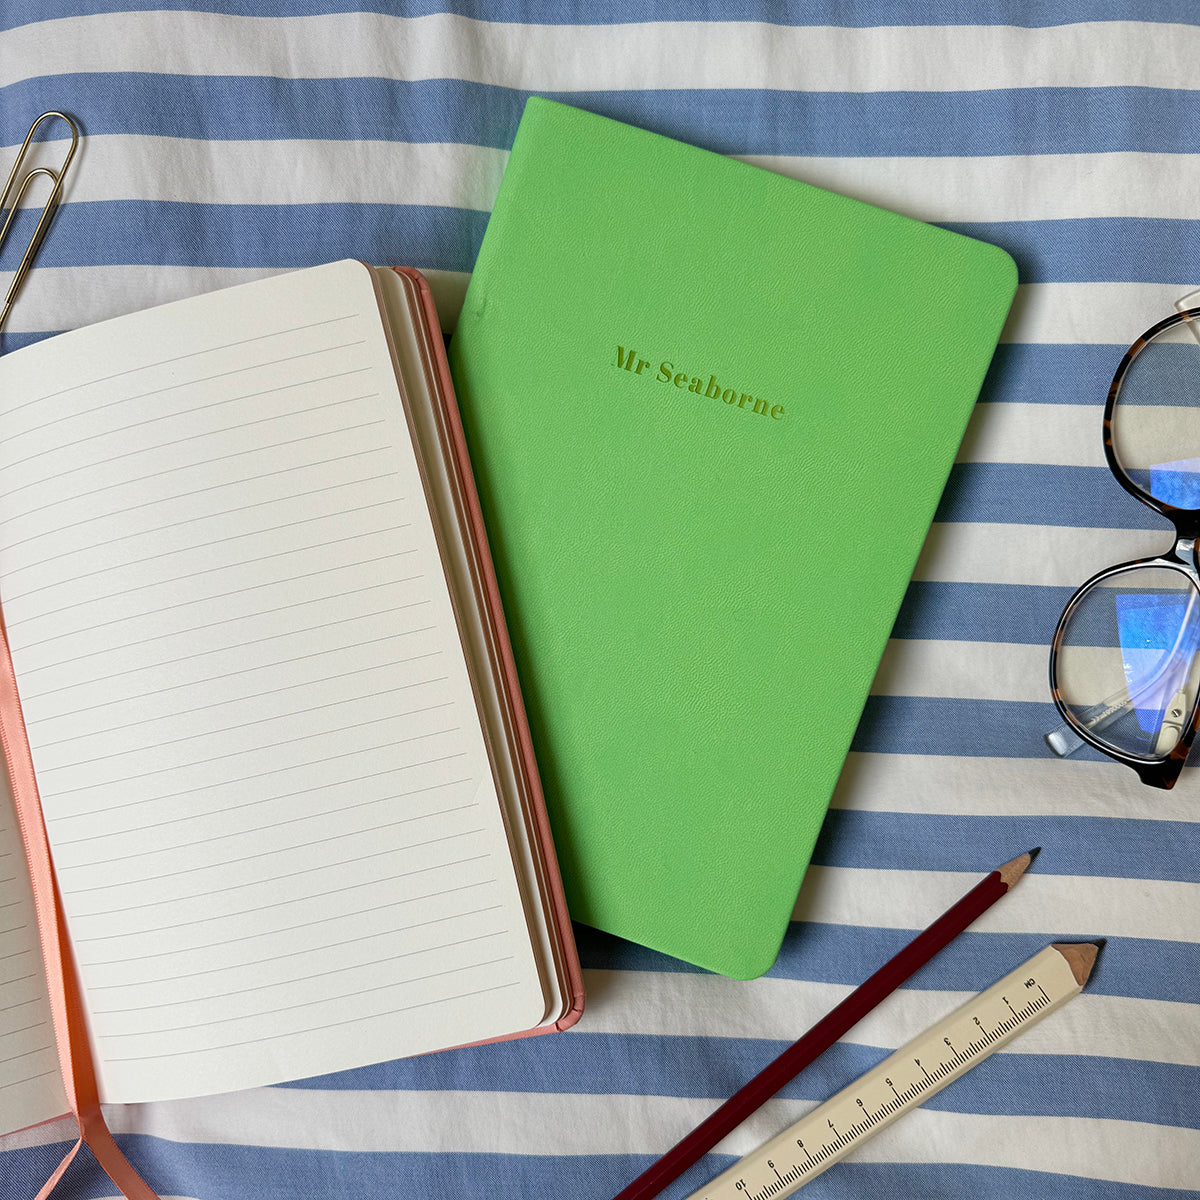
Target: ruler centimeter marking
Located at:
point(907, 1078)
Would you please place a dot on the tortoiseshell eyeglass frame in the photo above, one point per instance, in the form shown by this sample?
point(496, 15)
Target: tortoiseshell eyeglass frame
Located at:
point(1155, 772)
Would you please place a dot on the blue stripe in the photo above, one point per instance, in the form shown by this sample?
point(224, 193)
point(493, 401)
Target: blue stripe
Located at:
point(1028, 373)
point(1113, 847)
point(981, 612)
point(1001, 121)
point(1096, 249)
point(162, 232)
point(616, 12)
point(966, 728)
point(1039, 494)
point(1137, 968)
point(643, 1065)
point(267, 1173)
point(16, 341)
point(990, 612)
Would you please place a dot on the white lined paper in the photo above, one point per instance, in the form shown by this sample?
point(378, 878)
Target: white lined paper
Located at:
point(32, 1088)
point(267, 793)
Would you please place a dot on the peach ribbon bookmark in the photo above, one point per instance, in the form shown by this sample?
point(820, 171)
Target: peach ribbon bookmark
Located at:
point(66, 1006)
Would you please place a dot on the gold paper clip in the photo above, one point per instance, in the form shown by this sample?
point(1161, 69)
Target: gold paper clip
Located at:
point(16, 189)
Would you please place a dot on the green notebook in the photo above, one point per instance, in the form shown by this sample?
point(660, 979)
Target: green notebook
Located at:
point(711, 411)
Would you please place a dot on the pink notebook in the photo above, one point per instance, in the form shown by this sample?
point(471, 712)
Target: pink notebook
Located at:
point(272, 775)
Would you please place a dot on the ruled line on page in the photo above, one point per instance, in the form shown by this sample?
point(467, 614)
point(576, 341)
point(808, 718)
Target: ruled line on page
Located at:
point(208, 571)
point(276, 852)
point(291, 903)
point(241, 753)
point(358, 912)
point(227, 675)
point(189, 439)
point(240, 697)
point(287, 498)
point(163, 362)
point(120, 512)
point(237, 887)
point(195, 408)
point(391, 1012)
point(24, 1003)
point(235, 592)
point(287, 715)
point(292, 980)
point(222, 541)
point(222, 837)
point(23, 1028)
point(228, 621)
point(207, 462)
point(23, 1054)
point(50, 1074)
point(225, 809)
point(309, 1003)
point(156, 799)
point(33, 1000)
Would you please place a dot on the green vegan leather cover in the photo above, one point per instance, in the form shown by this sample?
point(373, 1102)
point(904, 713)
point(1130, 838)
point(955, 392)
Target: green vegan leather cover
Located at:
point(711, 411)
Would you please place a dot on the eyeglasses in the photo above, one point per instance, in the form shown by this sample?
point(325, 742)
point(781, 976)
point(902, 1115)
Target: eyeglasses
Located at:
point(1125, 659)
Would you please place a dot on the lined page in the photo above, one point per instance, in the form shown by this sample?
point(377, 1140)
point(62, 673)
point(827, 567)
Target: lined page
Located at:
point(31, 1089)
point(265, 785)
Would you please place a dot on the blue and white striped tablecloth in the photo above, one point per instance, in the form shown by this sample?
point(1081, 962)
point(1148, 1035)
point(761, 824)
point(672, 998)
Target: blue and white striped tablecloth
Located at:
point(228, 139)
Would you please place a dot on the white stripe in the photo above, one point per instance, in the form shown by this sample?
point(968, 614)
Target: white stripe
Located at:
point(1074, 907)
point(1070, 435)
point(683, 1004)
point(294, 171)
point(1042, 187)
point(1045, 555)
point(1007, 787)
point(539, 1124)
point(962, 670)
point(1089, 313)
point(1121, 1151)
point(71, 297)
point(677, 54)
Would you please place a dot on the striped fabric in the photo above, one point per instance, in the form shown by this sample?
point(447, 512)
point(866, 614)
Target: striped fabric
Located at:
point(228, 139)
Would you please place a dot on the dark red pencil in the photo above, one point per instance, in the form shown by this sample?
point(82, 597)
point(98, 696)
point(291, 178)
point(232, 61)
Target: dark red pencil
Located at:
point(827, 1031)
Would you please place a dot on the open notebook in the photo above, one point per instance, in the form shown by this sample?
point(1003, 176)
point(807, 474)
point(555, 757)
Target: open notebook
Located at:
point(282, 760)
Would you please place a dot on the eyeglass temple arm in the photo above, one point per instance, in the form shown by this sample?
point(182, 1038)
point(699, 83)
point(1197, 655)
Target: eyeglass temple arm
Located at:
point(1064, 741)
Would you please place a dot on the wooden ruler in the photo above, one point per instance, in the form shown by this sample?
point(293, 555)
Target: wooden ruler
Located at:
point(909, 1077)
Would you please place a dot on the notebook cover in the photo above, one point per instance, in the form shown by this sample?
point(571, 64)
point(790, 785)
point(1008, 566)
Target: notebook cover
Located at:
point(711, 411)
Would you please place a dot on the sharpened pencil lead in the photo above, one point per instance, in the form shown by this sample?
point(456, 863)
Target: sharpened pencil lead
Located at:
point(1010, 872)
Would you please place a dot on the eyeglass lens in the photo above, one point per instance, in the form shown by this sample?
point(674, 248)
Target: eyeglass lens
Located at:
point(1156, 417)
point(1127, 665)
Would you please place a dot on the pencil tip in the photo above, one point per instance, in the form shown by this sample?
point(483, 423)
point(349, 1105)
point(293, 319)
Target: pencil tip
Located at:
point(1034, 853)
point(1012, 871)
